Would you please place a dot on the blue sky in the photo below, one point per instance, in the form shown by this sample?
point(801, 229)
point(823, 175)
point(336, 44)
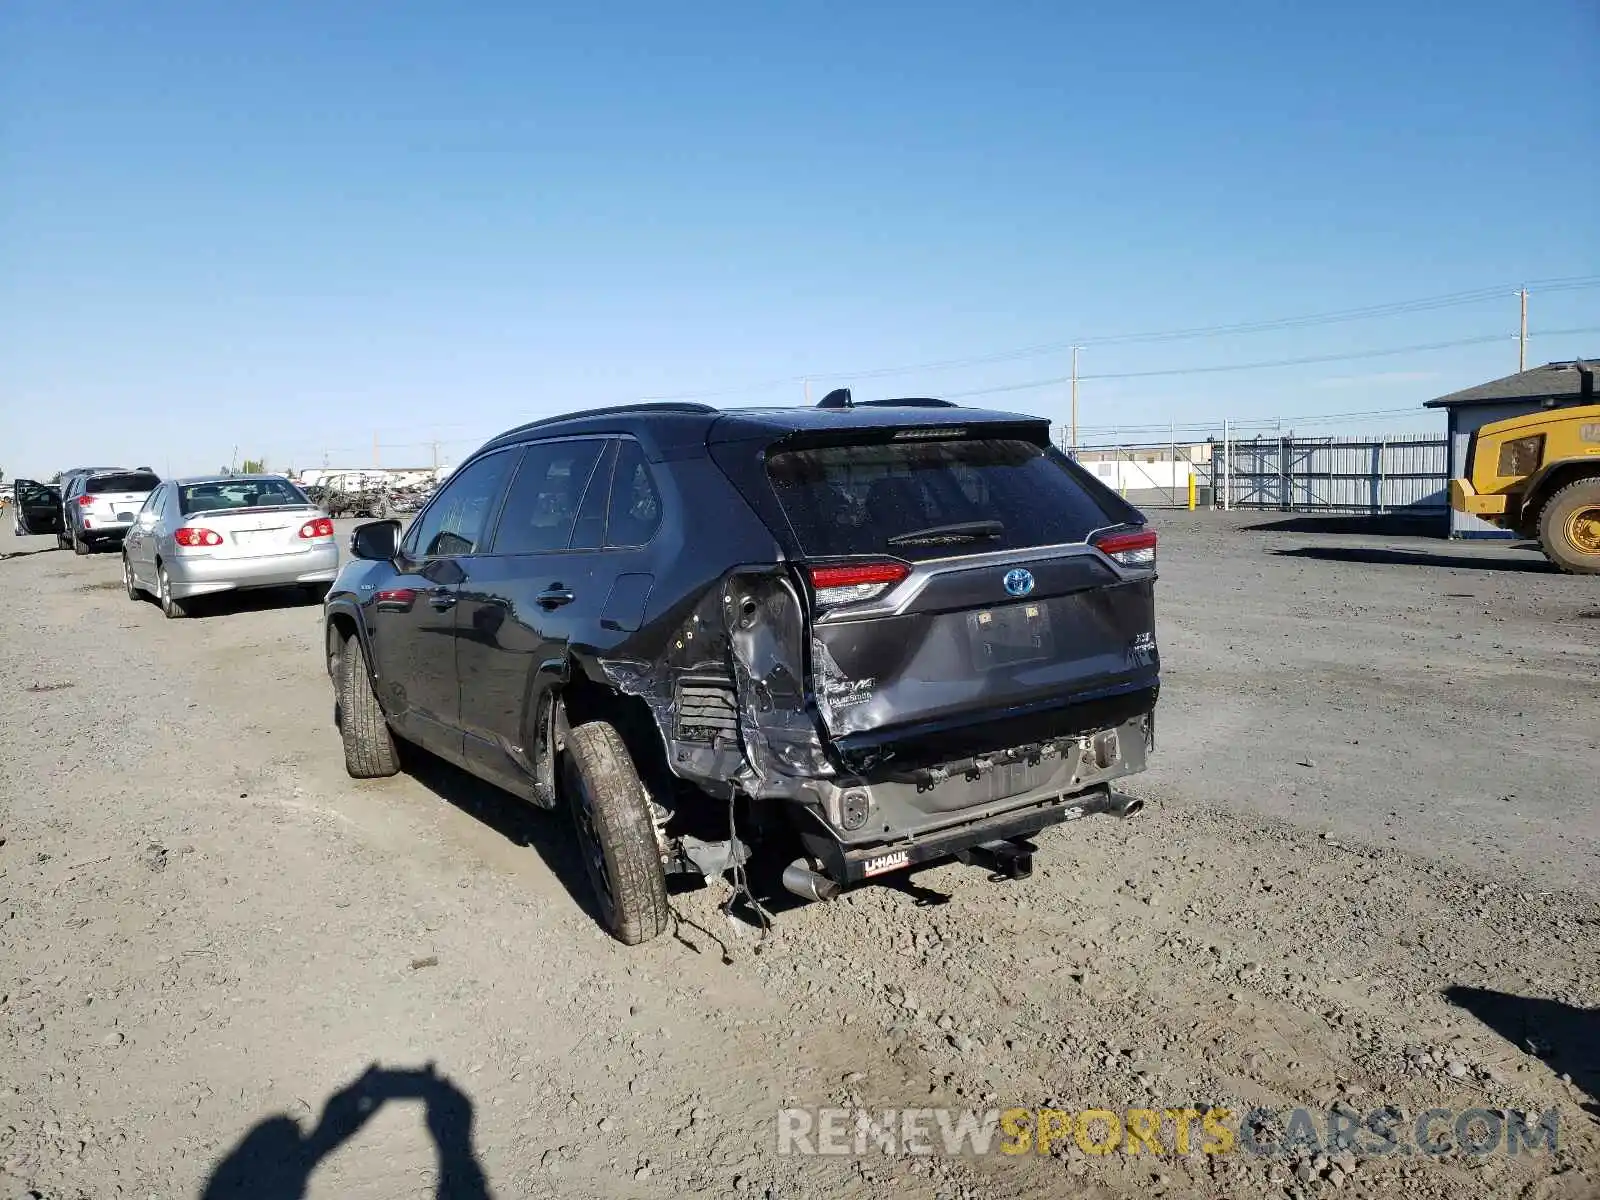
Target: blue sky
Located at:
point(290, 227)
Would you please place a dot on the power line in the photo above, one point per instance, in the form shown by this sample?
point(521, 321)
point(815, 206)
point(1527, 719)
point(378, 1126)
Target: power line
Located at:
point(1273, 325)
point(1308, 360)
point(1375, 414)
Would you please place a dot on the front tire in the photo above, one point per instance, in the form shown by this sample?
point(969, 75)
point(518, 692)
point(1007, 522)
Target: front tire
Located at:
point(127, 579)
point(79, 546)
point(369, 749)
point(615, 833)
point(1569, 527)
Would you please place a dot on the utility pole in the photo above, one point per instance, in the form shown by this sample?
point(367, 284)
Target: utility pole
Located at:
point(1522, 338)
point(1073, 440)
point(435, 458)
point(807, 384)
point(374, 447)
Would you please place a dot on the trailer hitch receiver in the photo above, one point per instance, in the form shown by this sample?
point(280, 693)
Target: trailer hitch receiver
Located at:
point(1008, 858)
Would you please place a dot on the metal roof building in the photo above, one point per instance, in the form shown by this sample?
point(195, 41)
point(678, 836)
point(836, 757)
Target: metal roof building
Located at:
point(1553, 385)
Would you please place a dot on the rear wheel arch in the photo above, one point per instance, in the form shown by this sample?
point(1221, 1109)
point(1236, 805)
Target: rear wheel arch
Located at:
point(585, 696)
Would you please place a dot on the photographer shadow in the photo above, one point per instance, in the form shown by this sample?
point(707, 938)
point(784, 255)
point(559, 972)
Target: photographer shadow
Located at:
point(1565, 1037)
point(275, 1159)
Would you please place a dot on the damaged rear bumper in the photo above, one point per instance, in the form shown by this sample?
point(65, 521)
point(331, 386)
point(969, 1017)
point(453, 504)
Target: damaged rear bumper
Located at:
point(855, 830)
point(973, 842)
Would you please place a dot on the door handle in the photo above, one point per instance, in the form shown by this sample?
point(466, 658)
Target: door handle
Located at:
point(555, 596)
point(442, 599)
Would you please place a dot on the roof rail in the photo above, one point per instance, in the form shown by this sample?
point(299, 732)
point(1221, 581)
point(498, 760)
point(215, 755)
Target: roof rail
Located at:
point(677, 406)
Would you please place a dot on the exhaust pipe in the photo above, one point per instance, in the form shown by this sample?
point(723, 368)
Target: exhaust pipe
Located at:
point(1110, 803)
point(808, 884)
point(1125, 806)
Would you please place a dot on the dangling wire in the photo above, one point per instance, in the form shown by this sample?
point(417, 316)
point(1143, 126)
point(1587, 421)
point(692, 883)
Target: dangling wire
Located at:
point(739, 880)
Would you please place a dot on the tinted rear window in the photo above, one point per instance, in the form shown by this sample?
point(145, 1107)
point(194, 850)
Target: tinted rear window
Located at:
point(239, 493)
point(844, 500)
point(132, 481)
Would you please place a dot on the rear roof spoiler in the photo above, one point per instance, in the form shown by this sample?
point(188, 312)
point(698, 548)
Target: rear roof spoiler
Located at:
point(841, 398)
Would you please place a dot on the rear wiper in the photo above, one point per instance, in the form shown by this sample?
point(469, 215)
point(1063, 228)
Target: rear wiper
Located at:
point(961, 531)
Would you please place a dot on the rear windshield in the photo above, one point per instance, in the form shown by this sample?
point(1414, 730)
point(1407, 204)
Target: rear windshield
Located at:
point(932, 499)
point(130, 481)
point(239, 493)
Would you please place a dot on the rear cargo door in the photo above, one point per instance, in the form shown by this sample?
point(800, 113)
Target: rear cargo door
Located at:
point(958, 583)
point(111, 500)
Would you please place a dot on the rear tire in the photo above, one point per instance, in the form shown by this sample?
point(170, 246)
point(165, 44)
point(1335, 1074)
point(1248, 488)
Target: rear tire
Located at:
point(615, 833)
point(369, 749)
point(1569, 527)
point(171, 609)
point(315, 593)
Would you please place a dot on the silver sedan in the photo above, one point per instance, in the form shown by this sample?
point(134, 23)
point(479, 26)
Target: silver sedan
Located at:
point(196, 537)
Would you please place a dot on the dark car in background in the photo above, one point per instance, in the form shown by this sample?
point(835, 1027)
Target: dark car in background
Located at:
point(881, 633)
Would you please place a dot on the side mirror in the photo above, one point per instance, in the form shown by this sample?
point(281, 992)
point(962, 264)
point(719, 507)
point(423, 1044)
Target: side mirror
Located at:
point(375, 540)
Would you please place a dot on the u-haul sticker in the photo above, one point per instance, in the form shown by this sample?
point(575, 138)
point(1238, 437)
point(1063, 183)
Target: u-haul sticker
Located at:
point(886, 862)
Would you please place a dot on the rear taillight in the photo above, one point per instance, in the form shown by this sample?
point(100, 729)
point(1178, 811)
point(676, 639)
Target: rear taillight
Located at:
point(191, 536)
point(859, 581)
point(322, 527)
point(1129, 549)
point(85, 501)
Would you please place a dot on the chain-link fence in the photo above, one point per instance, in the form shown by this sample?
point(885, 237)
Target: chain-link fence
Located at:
point(1389, 474)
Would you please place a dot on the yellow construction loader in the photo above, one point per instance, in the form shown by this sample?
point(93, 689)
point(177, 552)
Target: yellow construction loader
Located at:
point(1539, 475)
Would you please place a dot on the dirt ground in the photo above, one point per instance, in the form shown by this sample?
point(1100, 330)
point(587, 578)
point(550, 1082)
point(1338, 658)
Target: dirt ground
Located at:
point(1366, 876)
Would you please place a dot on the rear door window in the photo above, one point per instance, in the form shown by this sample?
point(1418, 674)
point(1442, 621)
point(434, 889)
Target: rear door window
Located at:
point(543, 505)
point(635, 512)
point(131, 481)
point(933, 499)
